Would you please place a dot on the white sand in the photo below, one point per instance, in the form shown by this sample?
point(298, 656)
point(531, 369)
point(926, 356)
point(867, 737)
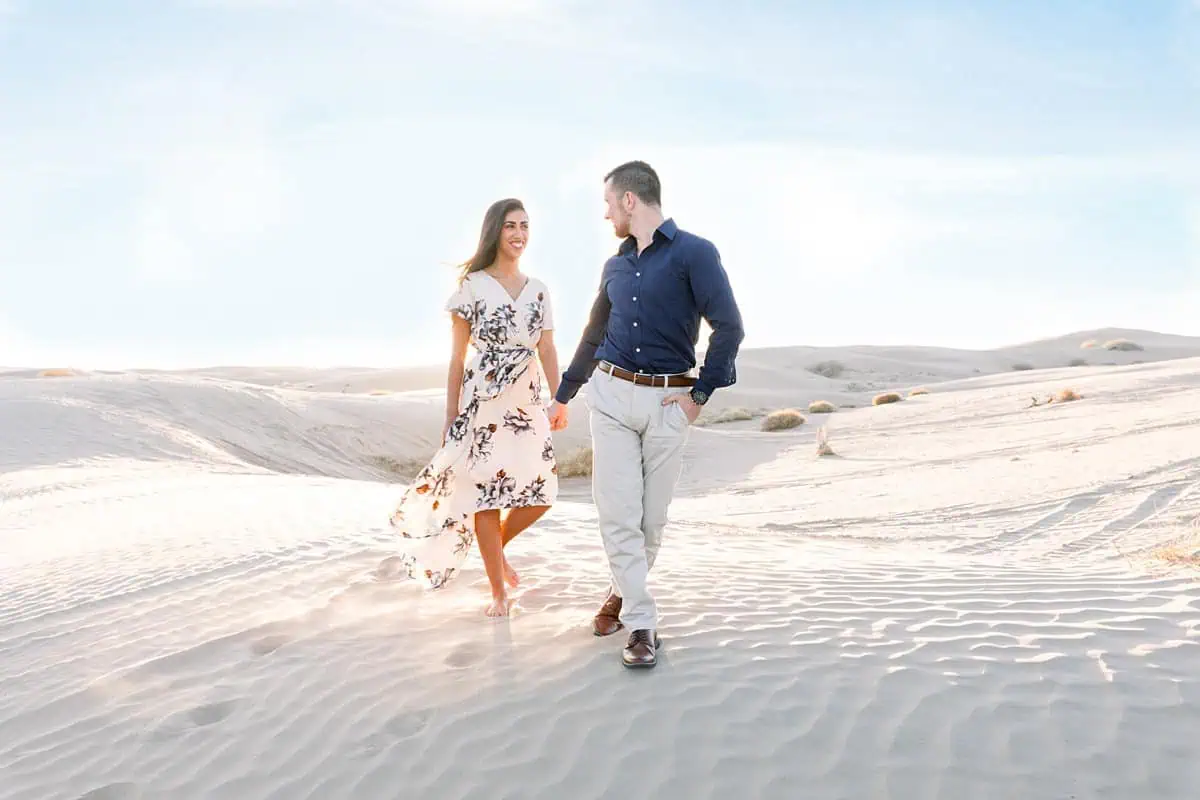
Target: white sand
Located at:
point(965, 602)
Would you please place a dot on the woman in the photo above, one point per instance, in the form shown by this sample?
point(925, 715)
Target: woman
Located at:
point(497, 453)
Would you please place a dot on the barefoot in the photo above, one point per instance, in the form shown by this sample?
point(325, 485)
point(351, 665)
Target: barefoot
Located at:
point(499, 606)
point(510, 575)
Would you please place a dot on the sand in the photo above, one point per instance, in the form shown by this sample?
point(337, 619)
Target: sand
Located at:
point(969, 600)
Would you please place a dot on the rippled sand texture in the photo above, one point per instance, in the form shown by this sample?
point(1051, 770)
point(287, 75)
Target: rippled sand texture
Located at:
point(964, 603)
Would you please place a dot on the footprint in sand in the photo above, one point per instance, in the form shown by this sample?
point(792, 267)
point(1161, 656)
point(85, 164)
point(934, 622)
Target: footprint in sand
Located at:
point(211, 713)
point(114, 791)
point(397, 729)
point(465, 655)
point(406, 726)
point(269, 644)
point(390, 569)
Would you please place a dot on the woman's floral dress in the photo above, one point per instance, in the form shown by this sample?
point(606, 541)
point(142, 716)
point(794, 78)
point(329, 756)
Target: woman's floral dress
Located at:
point(498, 452)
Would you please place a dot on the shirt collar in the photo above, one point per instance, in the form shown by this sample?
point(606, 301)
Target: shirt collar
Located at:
point(667, 229)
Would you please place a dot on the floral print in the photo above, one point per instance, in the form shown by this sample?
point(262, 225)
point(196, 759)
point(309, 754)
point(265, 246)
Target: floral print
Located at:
point(498, 452)
point(534, 312)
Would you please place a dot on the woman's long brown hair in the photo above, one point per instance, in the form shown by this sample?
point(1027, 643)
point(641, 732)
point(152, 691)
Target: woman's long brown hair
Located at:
point(489, 236)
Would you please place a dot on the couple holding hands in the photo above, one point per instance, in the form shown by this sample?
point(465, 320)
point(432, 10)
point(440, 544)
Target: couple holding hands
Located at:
point(637, 354)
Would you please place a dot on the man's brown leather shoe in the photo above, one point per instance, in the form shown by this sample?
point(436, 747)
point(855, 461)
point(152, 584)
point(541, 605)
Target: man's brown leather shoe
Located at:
point(640, 651)
point(608, 619)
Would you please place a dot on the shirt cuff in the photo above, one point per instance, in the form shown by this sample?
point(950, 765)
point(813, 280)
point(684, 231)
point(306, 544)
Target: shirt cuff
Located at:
point(566, 391)
point(702, 386)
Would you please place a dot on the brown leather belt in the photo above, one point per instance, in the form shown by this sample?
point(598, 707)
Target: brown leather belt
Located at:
point(642, 379)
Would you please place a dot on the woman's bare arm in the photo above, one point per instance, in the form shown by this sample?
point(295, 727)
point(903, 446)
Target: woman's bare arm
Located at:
point(459, 337)
point(548, 354)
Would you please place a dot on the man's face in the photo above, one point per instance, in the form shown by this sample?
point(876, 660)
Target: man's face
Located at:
point(617, 211)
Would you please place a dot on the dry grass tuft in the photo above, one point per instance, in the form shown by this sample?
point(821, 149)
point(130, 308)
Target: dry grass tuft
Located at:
point(885, 398)
point(406, 468)
point(920, 390)
point(728, 415)
point(1077, 362)
point(1063, 396)
point(57, 372)
point(1188, 557)
point(783, 419)
point(379, 392)
point(576, 464)
point(1183, 552)
point(823, 448)
point(828, 369)
point(821, 407)
point(1090, 343)
point(1022, 366)
point(1122, 344)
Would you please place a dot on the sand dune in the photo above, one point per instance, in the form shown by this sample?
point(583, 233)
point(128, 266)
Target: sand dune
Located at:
point(969, 600)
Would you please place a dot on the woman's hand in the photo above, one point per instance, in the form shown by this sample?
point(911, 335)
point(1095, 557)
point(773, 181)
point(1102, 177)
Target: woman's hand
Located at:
point(557, 414)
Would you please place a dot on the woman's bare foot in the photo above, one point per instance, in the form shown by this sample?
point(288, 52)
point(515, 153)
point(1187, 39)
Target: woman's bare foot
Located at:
point(499, 606)
point(510, 575)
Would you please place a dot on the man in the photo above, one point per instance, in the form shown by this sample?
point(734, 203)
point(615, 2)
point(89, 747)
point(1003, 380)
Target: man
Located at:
point(642, 334)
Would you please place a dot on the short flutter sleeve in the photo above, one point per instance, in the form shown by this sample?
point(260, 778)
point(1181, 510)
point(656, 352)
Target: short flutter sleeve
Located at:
point(462, 302)
point(547, 308)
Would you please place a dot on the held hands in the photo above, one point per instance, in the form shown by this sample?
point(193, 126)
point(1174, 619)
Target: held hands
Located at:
point(557, 413)
point(689, 406)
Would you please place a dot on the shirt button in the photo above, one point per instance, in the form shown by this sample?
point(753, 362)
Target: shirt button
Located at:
point(637, 274)
point(635, 324)
point(637, 349)
point(635, 298)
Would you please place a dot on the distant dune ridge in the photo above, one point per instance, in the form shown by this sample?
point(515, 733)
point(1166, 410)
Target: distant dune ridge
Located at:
point(962, 593)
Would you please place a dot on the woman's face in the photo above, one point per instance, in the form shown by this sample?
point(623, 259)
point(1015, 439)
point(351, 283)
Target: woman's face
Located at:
point(514, 234)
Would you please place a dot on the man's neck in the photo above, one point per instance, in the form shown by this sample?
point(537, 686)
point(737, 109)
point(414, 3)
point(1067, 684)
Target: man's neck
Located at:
point(643, 228)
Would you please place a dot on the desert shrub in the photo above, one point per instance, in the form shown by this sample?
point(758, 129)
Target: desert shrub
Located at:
point(1184, 551)
point(406, 468)
point(379, 392)
point(729, 415)
point(1066, 396)
point(920, 390)
point(783, 419)
point(1090, 343)
point(821, 407)
point(1022, 366)
point(56, 372)
point(576, 464)
point(1122, 344)
point(1178, 555)
point(885, 398)
point(1077, 362)
point(827, 369)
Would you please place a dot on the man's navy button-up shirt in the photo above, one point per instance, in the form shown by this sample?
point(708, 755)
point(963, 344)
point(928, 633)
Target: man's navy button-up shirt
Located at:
point(646, 316)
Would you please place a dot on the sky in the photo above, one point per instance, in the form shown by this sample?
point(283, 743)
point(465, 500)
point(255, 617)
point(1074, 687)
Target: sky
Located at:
point(202, 182)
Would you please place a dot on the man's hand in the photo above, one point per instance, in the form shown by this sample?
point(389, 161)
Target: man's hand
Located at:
point(557, 413)
point(689, 406)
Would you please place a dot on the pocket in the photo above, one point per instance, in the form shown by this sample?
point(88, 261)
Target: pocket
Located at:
point(597, 387)
point(675, 410)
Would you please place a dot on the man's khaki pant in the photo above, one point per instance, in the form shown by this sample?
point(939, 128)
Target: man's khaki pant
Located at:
point(637, 446)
